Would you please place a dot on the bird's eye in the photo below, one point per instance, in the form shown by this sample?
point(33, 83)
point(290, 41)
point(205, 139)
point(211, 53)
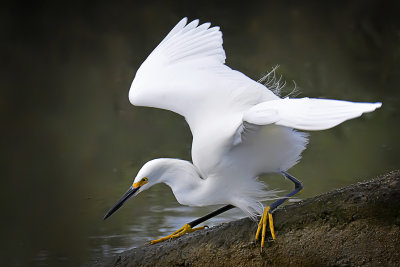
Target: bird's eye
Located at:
point(145, 179)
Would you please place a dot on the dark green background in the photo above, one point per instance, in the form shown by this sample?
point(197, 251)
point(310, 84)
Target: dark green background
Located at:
point(71, 142)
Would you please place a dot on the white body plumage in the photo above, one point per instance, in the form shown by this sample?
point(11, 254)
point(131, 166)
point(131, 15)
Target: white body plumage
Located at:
point(240, 128)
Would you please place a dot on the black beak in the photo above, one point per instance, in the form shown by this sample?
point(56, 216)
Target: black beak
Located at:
point(121, 202)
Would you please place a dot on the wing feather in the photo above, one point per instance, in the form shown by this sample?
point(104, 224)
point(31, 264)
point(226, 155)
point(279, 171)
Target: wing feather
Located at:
point(178, 27)
point(301, 113)
point(307, 113)
point(186, 72)
point(188, 41)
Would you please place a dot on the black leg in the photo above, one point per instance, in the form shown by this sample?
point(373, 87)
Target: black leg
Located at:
point(188, 228)
point(210, 215)
point(297, 188)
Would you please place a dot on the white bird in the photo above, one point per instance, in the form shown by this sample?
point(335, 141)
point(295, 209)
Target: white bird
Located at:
point(240, 128)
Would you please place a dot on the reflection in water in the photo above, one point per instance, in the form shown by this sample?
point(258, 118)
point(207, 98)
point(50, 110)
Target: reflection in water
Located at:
point(147, 228)
point(72, 143)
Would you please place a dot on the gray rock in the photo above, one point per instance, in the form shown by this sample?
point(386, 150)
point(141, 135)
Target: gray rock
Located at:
point(354, 226)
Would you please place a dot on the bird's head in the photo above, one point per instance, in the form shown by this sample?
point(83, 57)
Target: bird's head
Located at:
point(150, 174)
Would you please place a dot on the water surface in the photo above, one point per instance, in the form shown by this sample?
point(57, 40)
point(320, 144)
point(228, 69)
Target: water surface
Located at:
point(72, 143)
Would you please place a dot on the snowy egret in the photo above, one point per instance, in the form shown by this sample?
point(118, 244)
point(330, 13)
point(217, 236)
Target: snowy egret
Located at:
point(240, 128)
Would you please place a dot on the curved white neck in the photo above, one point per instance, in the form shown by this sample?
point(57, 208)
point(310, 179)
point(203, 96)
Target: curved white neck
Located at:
point(184, 180)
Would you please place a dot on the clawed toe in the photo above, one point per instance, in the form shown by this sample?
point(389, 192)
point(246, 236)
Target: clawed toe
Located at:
point(266, 218)
point(178, 233)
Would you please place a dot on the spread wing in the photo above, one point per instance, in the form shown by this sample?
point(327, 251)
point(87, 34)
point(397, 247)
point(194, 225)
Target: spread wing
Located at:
point(303, 113)
point(307, 113)
point(186, 73)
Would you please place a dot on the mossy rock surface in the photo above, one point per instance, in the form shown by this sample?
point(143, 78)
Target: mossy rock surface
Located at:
point(358, 225)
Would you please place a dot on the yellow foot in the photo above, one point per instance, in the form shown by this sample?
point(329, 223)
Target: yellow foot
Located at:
point(265, 218)
point(185, 229)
